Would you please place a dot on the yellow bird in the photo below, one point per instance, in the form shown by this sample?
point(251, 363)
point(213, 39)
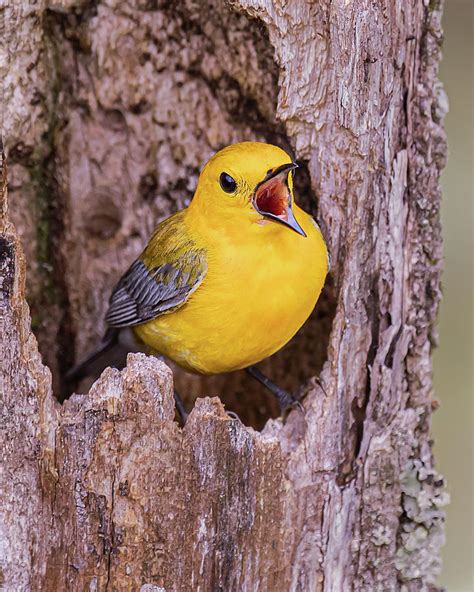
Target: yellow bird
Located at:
point(229, 280)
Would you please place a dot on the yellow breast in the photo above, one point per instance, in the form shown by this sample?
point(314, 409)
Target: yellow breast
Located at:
point(259, 289)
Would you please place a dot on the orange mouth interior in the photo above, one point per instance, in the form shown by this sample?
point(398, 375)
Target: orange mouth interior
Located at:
point(272, 198)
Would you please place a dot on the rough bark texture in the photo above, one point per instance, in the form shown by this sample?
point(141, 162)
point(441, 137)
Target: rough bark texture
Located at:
point(109, 110)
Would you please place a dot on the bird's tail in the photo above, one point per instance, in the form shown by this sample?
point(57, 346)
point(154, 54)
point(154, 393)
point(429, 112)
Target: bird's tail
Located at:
point(76, 373)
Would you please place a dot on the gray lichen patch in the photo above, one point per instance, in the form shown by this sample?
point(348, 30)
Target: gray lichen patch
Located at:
point(421, 531)
point(7, 269)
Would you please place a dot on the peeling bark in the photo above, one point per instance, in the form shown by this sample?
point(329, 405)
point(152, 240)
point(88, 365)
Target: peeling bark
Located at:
point(108, 112)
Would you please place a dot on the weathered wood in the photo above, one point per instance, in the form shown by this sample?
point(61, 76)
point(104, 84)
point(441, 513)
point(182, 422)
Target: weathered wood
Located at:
point(106, 491)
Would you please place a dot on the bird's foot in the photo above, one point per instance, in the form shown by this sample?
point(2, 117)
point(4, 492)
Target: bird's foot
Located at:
point(183, 414)
point(233, 415)
point(180, 408)
point(286, 400)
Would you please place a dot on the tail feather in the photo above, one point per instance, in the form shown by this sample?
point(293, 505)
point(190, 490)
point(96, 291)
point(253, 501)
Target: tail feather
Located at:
point(76, 373)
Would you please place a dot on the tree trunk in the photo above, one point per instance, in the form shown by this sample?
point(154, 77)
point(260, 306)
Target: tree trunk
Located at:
point(109, 111)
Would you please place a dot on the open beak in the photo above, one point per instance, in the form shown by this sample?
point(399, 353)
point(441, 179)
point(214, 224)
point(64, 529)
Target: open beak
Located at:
point(272, 198)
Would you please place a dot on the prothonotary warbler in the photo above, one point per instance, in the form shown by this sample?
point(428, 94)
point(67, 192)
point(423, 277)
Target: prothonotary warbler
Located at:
point(229, 280)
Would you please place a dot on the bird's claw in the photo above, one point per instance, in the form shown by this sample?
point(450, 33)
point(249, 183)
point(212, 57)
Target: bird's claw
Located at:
point(287, 402)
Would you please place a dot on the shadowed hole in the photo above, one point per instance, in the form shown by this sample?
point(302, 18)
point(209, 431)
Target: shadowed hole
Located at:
point(155, 163)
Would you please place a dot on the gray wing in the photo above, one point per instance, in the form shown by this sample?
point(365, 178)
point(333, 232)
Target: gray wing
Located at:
point(143, 294)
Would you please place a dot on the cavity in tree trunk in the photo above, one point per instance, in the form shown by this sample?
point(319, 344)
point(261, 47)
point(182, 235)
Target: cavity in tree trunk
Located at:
point(110, 109)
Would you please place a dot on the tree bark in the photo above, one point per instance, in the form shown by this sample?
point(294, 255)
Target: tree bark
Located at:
point(109, 110)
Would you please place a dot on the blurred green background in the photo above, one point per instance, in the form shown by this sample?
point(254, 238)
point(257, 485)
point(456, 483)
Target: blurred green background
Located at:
point(453, 360)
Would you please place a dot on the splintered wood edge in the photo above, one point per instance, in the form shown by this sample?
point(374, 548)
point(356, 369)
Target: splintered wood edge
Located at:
point(145, 385)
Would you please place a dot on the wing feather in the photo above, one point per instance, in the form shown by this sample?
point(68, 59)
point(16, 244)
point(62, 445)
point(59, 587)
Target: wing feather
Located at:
point(168, 271)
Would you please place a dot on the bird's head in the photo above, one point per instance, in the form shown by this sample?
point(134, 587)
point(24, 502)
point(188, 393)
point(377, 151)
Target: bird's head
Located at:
point(252, 181)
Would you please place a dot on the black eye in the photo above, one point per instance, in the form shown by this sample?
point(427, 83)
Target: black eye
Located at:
point(228, 184)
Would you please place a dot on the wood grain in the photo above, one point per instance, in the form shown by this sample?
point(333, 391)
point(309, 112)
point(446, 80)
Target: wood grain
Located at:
point(106, 492)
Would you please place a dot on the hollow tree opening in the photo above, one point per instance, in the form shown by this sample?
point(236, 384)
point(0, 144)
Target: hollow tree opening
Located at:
point(138, 99)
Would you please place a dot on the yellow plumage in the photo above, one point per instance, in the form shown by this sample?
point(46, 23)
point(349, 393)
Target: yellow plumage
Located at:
point(228, 281)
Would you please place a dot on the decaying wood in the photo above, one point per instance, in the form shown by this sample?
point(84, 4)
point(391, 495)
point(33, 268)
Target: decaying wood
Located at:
point(108, 113)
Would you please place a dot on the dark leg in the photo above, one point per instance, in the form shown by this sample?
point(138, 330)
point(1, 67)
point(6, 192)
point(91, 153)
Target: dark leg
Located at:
point(180, 407)
point(285, 399)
